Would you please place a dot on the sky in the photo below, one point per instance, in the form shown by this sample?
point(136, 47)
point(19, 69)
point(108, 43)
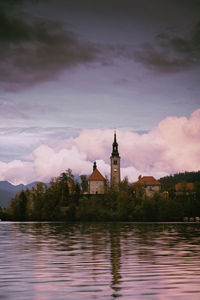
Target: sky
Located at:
point(71, 71)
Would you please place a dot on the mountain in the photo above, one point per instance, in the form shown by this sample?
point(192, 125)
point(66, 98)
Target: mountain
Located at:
point(8, 191)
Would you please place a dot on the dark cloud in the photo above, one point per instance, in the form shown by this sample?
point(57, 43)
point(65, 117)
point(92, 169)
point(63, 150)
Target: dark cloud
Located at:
point(171, 53)
point(128, 7)
point(32, 51)
point(12, 3)
point(191, 45)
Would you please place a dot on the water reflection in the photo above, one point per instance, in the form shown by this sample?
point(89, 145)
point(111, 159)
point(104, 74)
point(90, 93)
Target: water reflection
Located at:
point(115, 254)
point(99, 261)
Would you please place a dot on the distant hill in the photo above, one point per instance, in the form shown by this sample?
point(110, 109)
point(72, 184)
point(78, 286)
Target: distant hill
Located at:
point(8, 191)
point(170, 181)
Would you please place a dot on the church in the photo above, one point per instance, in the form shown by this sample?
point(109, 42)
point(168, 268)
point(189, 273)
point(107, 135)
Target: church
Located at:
point(96, 181)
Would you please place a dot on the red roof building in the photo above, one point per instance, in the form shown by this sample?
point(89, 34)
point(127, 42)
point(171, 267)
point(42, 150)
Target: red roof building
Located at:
point(148, 180)
point(96, 176)
point(184, 186)
point(96, 182)
point(150, 185)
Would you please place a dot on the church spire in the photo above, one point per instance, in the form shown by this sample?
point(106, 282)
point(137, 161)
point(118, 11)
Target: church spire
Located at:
point(94, 166)
point(115, 152)
point(115, 164)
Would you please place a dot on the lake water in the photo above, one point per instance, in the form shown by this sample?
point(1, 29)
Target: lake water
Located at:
point(99, 261)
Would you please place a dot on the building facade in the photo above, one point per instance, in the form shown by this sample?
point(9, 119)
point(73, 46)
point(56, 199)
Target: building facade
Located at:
point(96, 182)
point(150, 184)
point(184, 188)
point(115, 164)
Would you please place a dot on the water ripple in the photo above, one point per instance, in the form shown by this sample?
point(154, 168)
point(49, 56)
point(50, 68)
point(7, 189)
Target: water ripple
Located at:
point(99, 261)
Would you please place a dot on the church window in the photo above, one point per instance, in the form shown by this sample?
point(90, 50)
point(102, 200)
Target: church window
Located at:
point(115, 162)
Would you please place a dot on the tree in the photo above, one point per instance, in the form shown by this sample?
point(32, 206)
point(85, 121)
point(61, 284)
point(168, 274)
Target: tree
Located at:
point(84, 184)
point(124, 184)
point(37, 199)
point(170, 210)
point(138, 191)
point(149, 209)
point(18, 206)
point(76, 192)
point(63, 187)
point(125, 206)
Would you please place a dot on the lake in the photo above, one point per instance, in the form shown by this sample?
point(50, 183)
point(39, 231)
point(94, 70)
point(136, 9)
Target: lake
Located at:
point(99, 261)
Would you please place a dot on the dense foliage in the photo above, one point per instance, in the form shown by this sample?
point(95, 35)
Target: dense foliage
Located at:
point(170, 181)
point(65, 199)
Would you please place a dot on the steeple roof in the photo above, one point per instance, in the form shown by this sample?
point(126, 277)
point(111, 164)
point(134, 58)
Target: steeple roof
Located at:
point(96, 176)
point(115, 152)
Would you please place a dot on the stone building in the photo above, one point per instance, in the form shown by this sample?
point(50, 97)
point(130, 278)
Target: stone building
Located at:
point(150, 185)
point(115, 164)
point(186, 188)
point(96, 182)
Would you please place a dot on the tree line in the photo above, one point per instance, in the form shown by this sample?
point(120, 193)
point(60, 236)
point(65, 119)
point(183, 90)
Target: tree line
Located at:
point(66, 199)
point(170, 181)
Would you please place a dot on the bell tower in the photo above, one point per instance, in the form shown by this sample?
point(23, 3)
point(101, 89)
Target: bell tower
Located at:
point(115, 164)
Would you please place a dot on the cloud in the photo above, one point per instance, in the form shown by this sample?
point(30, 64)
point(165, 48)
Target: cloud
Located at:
point(49, 163)
point(133, 8)
point(9, 109)
point(23, 110)
point(32, 50)
point(172, 146)
point(17, 172)
point(17, 143)
point(172, 53)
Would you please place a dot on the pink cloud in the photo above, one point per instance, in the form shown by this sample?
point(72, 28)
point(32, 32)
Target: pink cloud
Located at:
point(172, 146)
point(17, 172)
point(50, 163)
point(96, 143)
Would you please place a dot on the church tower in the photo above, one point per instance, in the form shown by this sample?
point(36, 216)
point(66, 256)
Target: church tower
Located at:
point(115, 164)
